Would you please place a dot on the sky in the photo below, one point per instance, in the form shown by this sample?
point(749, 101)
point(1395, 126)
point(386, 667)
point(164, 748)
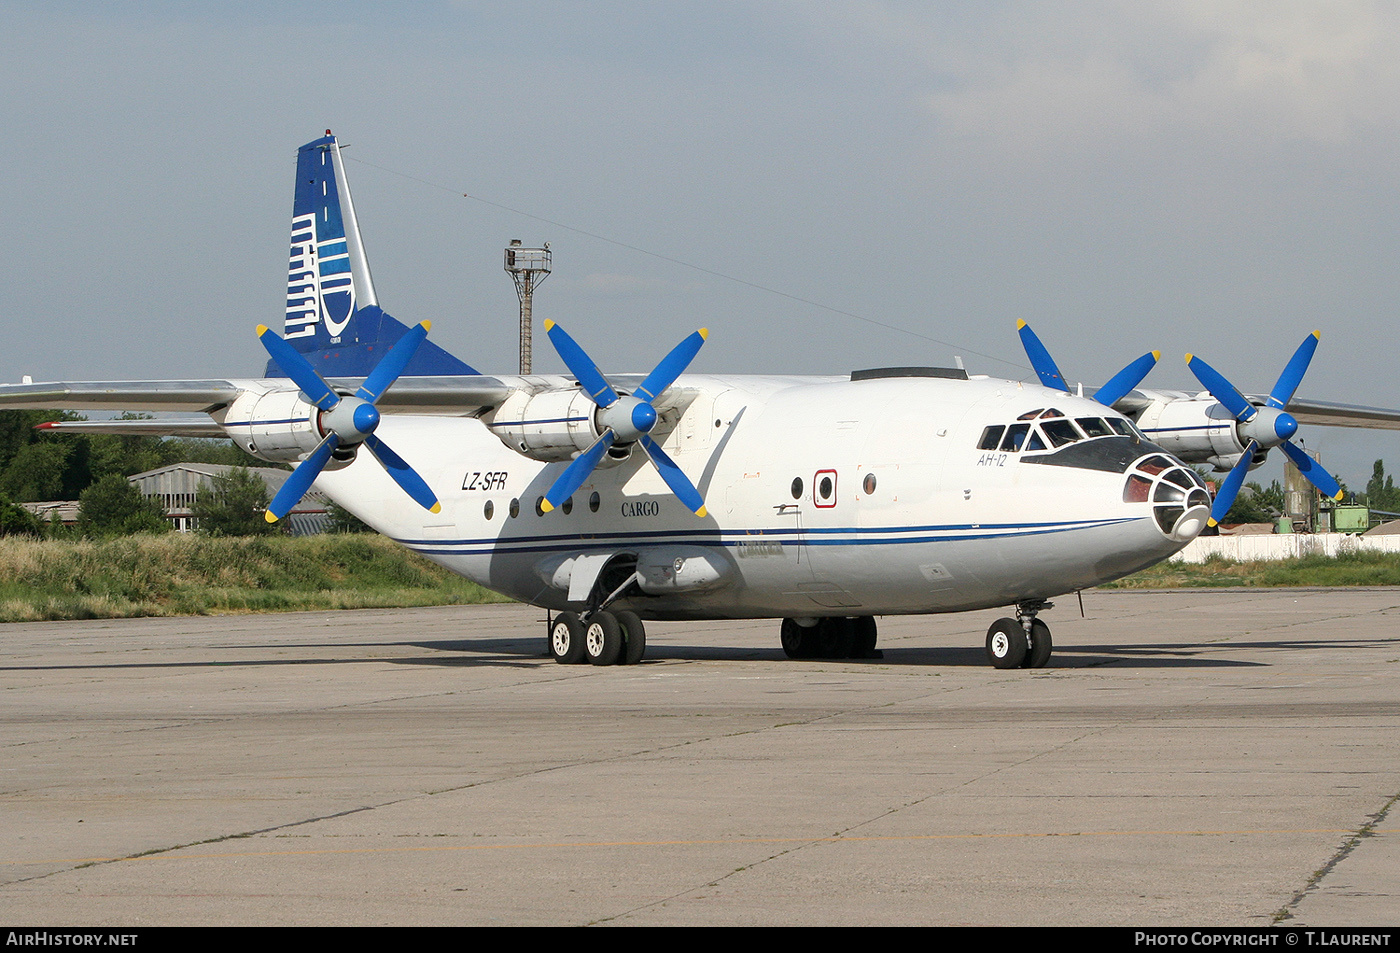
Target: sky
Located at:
point(825, 186)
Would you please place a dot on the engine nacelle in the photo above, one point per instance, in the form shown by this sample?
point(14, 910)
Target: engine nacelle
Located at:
point(1194, 430)
point(553, 425)
point(279, 426)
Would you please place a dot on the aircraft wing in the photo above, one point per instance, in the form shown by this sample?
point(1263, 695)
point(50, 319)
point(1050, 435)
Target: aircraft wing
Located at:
point(421, 395)
point(1343, 415)
point(1321, 412)
point(198, 396)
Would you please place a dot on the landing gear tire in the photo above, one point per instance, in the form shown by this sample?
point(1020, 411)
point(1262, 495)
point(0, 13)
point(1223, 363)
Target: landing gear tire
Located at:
point(634, 637)
point(863, 646)
point(602, 641)
point(566, 639)
point(1041, 646)
point(1006, 644)
point(835, 637)
point(797, 641)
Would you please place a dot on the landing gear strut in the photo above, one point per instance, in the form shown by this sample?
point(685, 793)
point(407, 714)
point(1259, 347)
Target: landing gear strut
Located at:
point(831, 638)
point(1022, 642)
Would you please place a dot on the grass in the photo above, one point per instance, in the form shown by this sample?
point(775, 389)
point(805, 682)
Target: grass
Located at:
point(1350, 569)
point(186, 574)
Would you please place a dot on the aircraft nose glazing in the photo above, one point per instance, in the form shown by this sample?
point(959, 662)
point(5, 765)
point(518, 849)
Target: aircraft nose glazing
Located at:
point(1178, 496)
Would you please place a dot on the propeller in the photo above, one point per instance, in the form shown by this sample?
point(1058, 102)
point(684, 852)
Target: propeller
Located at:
point(1264, 427)
point(346, 421)
point(1109, 394)
point(624, 418)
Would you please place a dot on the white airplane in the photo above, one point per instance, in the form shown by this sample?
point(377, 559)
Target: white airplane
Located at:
point(821, 501)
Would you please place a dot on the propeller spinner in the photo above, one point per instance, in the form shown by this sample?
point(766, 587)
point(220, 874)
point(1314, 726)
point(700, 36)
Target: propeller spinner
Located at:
point(624, 418)
point(346, 421)
point(1109, 394)
point(1264, 427)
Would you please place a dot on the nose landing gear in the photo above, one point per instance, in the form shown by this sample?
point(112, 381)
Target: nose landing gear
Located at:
point(1022, 642)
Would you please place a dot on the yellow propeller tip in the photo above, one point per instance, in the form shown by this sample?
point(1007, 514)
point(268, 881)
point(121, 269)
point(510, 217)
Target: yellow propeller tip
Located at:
point(427, 325)
point(262, 329)
point(435, 508)
point(1156, 355)
point(704, 333)
point(1212, 522)
point(547, 506)
point(1020, 324)
point(1338, 497)
point(267, 515)
point(700, 512)
point(1318, 335)
point(1188, 358)
point(548, 324)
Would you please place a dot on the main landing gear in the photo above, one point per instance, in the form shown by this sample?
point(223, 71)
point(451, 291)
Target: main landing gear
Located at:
point(831, 638)
point(1022, 642)
point(601, 637)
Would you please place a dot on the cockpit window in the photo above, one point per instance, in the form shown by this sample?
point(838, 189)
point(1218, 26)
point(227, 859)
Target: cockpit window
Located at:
point(1051, 430)
point(1094, 426)
point(1060, 432)
point(1015, 437)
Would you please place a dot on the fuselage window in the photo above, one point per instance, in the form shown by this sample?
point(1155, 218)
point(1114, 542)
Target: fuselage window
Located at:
point(991, 437)
point(514, 508)
point(1120, 426)
point(1034, 442)
point(489, 510)
point(869, 484)
point(568, 506)
point(1030, 414)
point(539, 506)
point(593, 502)
point(797, 488)
point(1015, 437)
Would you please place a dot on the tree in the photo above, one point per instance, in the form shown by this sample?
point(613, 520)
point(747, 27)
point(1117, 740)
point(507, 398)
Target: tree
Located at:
point(113, 506)
point(234, 505)
point(1381, 492)
point(17, 521)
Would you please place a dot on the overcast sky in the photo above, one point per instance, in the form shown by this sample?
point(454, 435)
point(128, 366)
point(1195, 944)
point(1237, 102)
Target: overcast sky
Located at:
point(1217, 177)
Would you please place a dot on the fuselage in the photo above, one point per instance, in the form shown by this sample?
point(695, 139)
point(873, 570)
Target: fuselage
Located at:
point(825, 496)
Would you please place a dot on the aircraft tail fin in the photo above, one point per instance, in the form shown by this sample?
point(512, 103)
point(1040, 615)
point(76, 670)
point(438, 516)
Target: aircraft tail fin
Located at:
point(333, 315)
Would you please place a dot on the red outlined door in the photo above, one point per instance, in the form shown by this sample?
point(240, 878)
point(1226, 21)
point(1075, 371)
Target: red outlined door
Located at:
point(824, 489)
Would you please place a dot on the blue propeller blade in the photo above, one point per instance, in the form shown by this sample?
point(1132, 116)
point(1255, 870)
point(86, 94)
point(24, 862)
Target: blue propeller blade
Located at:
point(581, 366)
point(1041, 360)
point(298, 369)
point(356, 420)
point(1120, 384)
point(1311, 469)
point(301, 479)
point(634, 418)
point(1221, 389)
point(392, 364)
point(673, 365)
point(404, 475)
point(1293, 374)
point(576, 472)
point(678, 482)
point(1230, 488)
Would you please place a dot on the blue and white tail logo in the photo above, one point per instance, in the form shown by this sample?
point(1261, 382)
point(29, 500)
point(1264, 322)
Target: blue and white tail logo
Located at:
point(333, 316)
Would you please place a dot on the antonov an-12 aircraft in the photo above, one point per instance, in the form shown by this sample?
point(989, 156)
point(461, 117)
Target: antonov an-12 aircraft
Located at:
point(615, 498)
